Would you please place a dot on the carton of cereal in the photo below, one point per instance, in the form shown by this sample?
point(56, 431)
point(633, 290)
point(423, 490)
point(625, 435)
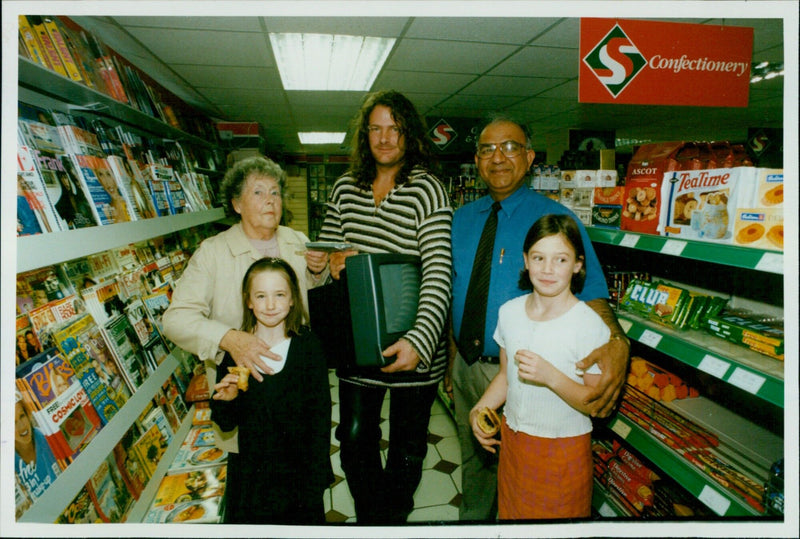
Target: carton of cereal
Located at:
point(701, 204)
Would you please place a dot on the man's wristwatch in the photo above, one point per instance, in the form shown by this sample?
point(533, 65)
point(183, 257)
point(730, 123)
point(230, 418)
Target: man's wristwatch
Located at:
point(620, 337)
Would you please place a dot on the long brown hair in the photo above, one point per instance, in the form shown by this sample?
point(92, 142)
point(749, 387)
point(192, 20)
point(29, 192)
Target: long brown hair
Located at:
point(412, 127)
point(294, 320)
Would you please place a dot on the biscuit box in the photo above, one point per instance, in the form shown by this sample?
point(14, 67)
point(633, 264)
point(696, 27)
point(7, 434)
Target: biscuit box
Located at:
point(584, 215)
point(609, 195)
point(606, 178)
point(586, 178)
point(606, 216)
point(765, 192)
point(761, 228)
point(643, 185)
point(567, 180)
point(701, 204)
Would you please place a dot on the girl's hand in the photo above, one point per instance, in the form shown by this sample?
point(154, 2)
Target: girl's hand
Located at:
point(489, 443)
point(533, 367)
point(226, 389)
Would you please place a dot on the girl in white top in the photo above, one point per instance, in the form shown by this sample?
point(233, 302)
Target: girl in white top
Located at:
point(545, 468)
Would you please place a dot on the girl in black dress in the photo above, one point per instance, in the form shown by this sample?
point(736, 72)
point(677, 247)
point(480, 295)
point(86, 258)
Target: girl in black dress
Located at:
point(283, 467)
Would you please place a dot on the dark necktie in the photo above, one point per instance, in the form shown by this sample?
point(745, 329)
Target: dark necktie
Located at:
point(473, 323)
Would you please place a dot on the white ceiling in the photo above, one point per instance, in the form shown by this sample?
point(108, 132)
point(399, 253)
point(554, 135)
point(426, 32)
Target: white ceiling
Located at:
point(448, 66)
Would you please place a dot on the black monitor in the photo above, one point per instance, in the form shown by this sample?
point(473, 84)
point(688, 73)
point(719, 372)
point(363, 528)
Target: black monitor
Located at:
point(368, 309)
point(383, 291)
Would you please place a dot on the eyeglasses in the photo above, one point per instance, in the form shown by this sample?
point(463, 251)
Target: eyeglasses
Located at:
point(510, 148)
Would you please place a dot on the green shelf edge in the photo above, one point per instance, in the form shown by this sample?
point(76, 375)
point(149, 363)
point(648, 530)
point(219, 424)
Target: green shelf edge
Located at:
point(772, 389)
point(719, 253)
point(681, 470)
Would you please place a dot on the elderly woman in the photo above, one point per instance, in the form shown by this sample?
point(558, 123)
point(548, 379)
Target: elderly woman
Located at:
point(205, 315)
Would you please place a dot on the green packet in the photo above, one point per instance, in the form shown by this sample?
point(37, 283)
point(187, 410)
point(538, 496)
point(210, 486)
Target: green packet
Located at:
point(669, 308)
point(641, 297)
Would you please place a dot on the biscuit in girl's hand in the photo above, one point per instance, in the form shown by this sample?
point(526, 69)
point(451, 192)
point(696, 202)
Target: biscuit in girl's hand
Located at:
point(243, 373)
point(489, 421)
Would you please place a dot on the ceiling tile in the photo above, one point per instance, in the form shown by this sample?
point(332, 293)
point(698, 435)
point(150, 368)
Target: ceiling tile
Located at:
point(230, 77)
point(409, 81)
point(540, 61)
point(564, 33)
point(350, 100)
point(521, 87)
point(446, 56)
point(234, 24)
point(349, 26)
point(244, 96)
point(514, 30)
point(206, 47)
point(484, 103)
point(225, 65)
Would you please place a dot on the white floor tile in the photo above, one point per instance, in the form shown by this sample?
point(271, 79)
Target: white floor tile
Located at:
point(442, 425)
point(449, 449)
point(436, 488)
point(431, 458)
point(342, 500)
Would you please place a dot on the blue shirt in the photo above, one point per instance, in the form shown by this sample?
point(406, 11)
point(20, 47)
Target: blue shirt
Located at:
point(519, 211)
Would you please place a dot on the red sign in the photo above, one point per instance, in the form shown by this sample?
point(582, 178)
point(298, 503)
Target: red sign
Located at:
point(664, 63)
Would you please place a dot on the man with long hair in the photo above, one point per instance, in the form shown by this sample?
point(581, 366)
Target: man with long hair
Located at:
point(390, 202)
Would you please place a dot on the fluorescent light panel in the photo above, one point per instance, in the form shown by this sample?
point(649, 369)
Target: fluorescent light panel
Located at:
point(329, 62)
point(319, 137)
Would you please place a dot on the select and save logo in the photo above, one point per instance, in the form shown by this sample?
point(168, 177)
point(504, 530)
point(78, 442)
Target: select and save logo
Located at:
point(615, 61)
point(442, 134)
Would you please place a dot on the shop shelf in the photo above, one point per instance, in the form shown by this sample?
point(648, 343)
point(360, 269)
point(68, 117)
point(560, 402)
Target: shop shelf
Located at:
point(728, 255)
point(755, 373)
point(704, 488)
point(49, 506)
point(48, 249)
point(80, 97)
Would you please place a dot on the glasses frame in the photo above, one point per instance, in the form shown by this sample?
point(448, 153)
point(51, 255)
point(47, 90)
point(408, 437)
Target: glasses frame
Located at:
point(509, 148)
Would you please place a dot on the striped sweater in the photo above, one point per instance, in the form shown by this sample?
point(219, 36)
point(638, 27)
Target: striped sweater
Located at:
point(414, 218)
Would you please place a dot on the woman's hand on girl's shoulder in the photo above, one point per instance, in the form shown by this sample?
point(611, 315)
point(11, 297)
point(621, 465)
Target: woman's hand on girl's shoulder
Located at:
point(226, 389)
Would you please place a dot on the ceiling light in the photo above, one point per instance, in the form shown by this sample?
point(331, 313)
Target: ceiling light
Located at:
point(329, 62)
point(319, 137)
point(766, 71)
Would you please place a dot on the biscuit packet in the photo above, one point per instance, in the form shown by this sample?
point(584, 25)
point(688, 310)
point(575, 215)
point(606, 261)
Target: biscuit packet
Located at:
point(641, 202)
point(759, 217)
point(670, 305)
point(641, 297)
point(702, 204)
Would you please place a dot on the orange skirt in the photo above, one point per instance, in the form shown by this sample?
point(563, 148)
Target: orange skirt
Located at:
point(542, 478)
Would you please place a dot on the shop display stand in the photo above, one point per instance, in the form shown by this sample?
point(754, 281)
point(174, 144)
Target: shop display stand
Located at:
point(760, 377)
point(43, 87)
point(50, 505)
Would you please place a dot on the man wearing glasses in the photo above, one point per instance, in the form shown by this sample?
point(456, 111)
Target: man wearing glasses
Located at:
point(503, 156)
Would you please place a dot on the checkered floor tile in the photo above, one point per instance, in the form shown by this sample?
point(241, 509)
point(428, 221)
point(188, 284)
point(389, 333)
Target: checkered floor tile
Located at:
point(439, 493)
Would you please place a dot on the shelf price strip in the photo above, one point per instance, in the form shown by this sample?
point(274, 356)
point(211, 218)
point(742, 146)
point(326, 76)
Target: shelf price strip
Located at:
point(714, 366)
point(714, 500)
point(692, 354)
point(770, 262)
point(629, 240)
point(673, 247)
point(650, 338)
point(746, 380)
